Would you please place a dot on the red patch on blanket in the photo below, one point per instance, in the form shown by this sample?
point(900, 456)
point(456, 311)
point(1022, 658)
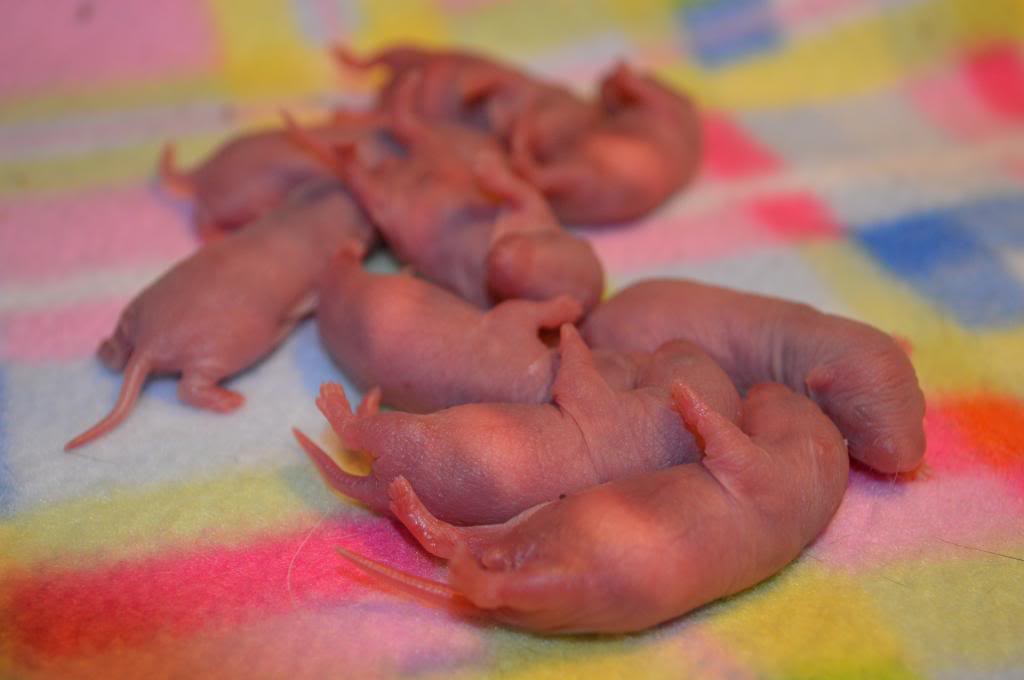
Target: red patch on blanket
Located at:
point(990, 428)
point(75, 612)
point(732, 153)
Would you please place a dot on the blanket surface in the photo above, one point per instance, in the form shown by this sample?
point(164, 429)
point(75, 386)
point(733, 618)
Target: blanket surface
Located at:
point(864, 156)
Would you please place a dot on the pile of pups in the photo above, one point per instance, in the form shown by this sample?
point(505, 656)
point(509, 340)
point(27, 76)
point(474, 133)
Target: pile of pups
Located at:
point(583, 466)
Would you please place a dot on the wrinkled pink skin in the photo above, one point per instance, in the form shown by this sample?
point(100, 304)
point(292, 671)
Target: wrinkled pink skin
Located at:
point(365, 321)
point(640, 550)
point(643, 148)
point(485, 463)
point(471, 89)
point(531, 256)
point(428, 206)
point(427, 349)
point(231, 302)
point(453, 210)
point(446, 84)
point(515, 104)
point(252, 174)
point(859, 376)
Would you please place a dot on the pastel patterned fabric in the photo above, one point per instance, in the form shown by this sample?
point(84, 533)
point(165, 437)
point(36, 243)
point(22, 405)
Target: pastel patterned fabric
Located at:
point(864, 156)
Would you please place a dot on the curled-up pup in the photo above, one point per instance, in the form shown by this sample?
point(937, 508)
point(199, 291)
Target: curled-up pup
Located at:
point(859, 375)
point(643, 148)
point(475, 90)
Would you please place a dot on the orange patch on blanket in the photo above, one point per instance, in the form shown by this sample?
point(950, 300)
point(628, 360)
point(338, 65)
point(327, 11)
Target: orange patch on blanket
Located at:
point(994, 424)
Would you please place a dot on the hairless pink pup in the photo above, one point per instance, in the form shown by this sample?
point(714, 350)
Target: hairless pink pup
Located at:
point(859, 375)
point(531, 256)
point(640, 550)
point(471, 89)
point(428, 349)
point(445, 80)
point(642, 149)
point(398, 333)
point(252, 174)
point(456, 213)
point(226, 306)
point(484, 463)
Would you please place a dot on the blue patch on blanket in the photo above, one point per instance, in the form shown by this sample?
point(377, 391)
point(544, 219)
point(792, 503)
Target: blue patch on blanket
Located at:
point(996, 222)
point(722, 32)
point(314, 365)
point(6, 474)
point(955, 258)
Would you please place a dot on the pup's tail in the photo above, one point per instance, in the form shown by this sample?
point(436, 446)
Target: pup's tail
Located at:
point(135, 373)
point(171, 177)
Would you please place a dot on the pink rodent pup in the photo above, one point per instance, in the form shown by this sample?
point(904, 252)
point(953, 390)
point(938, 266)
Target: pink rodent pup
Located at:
point(428, 349)
point(642, 148)
point(251, 174)
point(640, 550)
point(858, 375)
point(231, 302)
point(485, 463)
point(476, 90)
point(445, 80)
point(531, 256)
point(452, 209)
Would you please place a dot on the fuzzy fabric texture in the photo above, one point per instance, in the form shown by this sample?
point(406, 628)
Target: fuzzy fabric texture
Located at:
point(865, 156)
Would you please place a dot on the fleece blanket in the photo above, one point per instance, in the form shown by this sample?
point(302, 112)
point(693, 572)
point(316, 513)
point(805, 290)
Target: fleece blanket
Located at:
point(864, 156)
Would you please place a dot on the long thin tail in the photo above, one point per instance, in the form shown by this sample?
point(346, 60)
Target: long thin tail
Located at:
point(396, 59)
point(135, 373)
point(324, 154)
point(349, 59)
point(366, 489)
point(427, 590)
point(171, 177)
point(521, 153)
point(437, 537)
point(406, 124)
point(738, 463)
point(495, 178)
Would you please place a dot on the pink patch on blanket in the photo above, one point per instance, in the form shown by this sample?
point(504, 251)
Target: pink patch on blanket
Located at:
point(950, 101)
point(882, 521)
point(57, 334)
point(949, 451)
point(62, 43)
point(952, 499)
point(997, 74)
point(1016, 167)
point(49, 238)
point(211, 588)
point(717, 232)
point(382, 638)
point(804, 14)
point(679, 238)
point(794, 216)
point(730, 153)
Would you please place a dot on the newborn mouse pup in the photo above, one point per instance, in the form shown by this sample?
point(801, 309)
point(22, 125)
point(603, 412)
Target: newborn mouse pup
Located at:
point(641, 149)
point(399, 333)
point(230, 303)
point(485, 463)
point(453, 210)
point(859, 375)
point(640, 550)
point(253, 173)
